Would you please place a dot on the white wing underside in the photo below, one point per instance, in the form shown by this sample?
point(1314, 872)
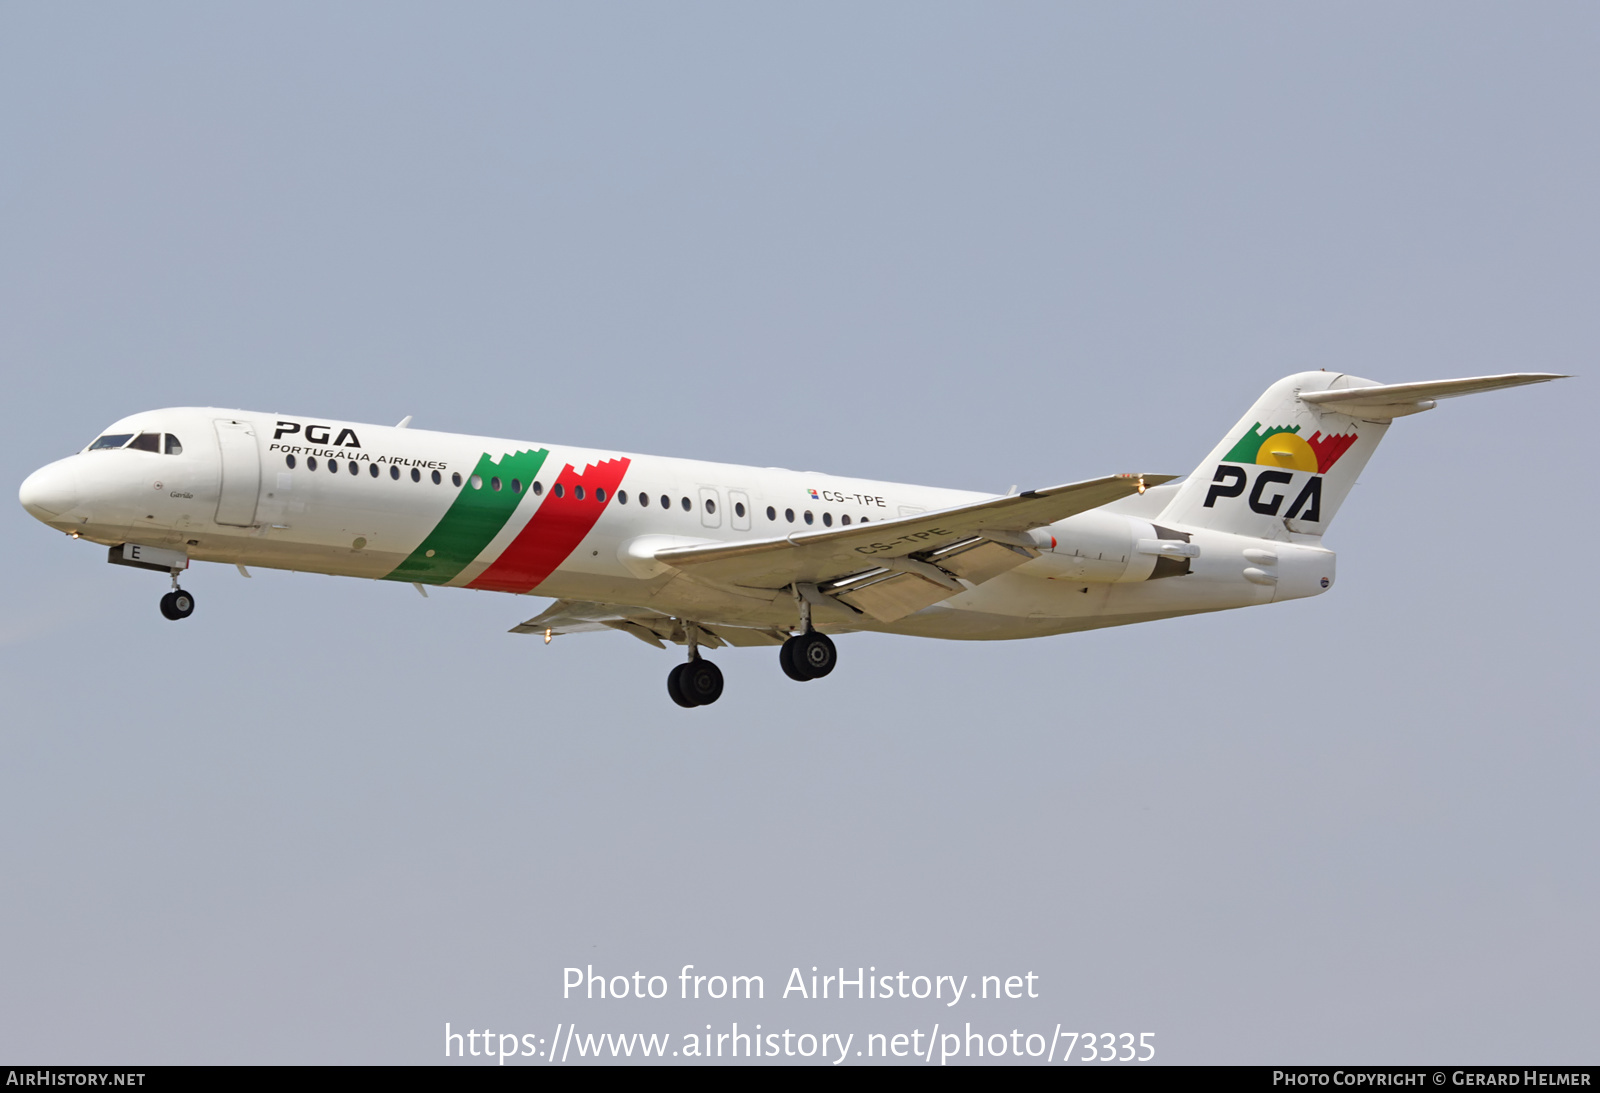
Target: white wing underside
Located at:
point(651, 627)
point(886, 570)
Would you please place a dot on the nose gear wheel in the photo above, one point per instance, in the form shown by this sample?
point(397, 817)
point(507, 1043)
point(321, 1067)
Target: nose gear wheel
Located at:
point(177, 604)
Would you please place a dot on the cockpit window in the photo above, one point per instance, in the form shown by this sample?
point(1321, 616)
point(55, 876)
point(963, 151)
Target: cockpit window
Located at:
point(143, 442)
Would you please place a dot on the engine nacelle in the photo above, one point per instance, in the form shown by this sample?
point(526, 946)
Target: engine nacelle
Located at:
point(1108, 547)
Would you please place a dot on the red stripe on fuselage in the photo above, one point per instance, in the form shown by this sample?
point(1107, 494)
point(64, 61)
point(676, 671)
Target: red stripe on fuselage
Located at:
point(555, 530)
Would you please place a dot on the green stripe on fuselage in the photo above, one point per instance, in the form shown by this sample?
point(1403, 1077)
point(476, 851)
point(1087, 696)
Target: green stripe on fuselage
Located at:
point(474, 518)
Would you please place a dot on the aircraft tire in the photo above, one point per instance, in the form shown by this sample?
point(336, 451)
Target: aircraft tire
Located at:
point(672, 688)
point(167, 610)
point(182, 604)
point(814, 654)
point(791, 668)
point(700, 682)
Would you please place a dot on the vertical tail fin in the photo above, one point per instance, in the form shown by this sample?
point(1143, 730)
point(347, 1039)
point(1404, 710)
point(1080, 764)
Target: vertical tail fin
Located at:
point(1289, 463)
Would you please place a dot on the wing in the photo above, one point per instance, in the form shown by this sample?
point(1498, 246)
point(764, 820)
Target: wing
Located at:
point(651, 627)
point(891, 569)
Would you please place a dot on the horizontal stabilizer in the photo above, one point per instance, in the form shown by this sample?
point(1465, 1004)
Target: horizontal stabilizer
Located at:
point(1384, 402)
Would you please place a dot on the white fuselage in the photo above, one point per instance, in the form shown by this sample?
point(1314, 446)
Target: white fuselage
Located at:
point(445, 509)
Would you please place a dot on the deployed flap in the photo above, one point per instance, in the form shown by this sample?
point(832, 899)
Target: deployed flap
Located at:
point(1384, 402)
point(573, 617)
point(816, 556)
point(651, 627)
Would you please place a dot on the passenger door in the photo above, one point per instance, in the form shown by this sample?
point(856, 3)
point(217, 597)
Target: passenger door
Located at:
point(241, 474)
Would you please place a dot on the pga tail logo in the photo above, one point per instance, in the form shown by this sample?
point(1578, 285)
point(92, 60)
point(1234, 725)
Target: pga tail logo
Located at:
point(1284, 451)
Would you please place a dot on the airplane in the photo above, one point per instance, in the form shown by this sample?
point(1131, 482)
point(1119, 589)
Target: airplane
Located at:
point(704, 555)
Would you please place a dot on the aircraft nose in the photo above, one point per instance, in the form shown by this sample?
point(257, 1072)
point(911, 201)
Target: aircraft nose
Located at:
point(49, 491)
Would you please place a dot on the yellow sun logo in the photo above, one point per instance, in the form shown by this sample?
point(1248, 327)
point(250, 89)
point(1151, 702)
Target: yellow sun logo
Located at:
point(1288, 451)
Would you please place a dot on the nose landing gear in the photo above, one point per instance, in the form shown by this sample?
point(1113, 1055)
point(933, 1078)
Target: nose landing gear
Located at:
point(177, 604)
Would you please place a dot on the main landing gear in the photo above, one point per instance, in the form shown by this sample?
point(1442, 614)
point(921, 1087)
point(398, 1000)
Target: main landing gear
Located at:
point(177, 604)
point(698, 682)
point(808, 654)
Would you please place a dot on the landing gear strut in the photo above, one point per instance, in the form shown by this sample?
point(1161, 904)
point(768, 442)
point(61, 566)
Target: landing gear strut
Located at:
point(808, 654)
point(177, 604)
point(698, 682)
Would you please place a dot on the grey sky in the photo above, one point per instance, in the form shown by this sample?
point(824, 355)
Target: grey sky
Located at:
point(963, 245)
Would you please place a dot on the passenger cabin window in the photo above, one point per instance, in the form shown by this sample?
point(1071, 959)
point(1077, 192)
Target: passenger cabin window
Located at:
point(174, 445)
point(111, 440)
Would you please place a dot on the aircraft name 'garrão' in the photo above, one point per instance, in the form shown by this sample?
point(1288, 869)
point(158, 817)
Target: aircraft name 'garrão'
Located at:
point(711, 554)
